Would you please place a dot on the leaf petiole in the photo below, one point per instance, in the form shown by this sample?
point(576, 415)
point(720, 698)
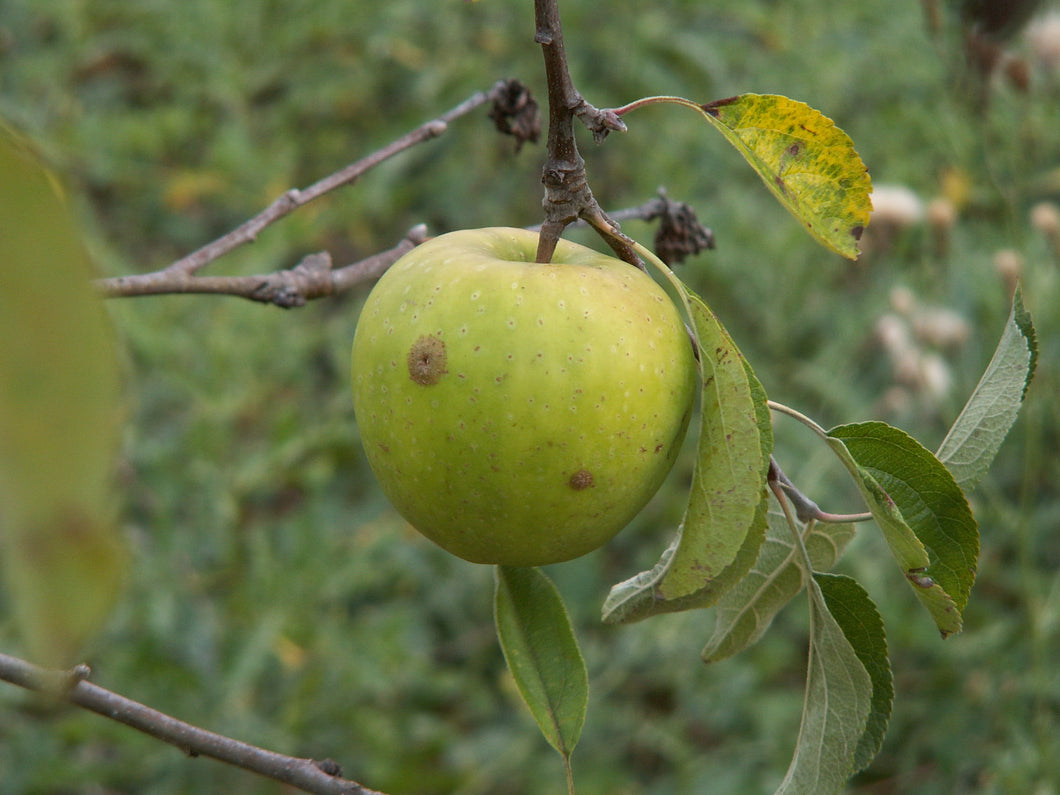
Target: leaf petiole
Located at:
point(805, 508)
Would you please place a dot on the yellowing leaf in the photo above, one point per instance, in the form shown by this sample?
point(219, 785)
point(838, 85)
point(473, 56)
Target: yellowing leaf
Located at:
point(807, 162)
point(58, 419)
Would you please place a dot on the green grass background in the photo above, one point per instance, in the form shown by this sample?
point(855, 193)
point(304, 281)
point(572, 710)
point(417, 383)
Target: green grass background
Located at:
point(274, 595)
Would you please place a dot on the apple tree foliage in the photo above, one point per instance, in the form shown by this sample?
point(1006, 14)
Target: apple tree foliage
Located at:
point(748, 556)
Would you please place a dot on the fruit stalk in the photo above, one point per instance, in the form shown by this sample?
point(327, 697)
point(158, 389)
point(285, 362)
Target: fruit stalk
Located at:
point(567, 192)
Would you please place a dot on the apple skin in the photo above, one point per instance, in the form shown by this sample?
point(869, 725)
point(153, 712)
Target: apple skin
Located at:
point(517, 413)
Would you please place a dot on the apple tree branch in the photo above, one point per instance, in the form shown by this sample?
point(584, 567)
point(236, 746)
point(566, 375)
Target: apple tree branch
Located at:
point(323, 777)
point(314, 276)
point(567, 193)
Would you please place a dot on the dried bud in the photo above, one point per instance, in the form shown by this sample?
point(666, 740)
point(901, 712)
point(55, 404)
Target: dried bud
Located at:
point(935, 377)
point(941, 213)
point(896, 205)
point(680, 234)
point(515, 112)
point(942, 216)
point(892, 332)
point(1043, 36)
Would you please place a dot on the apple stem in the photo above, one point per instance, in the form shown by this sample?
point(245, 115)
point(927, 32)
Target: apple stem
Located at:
point(567, 193)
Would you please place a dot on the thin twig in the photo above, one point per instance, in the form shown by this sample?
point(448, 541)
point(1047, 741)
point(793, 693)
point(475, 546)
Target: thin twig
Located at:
point(313, 277)
point(320, 777)
point(179, 276)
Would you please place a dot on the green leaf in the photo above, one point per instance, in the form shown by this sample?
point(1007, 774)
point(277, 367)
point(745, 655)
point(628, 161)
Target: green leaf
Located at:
point(724, 521)
point(920, 509)
point(857, 617)
point(727, 487)
point(745, 613)
point(836, 708)
point(976, 436)
point(59, 389)
point(906, 547)
point(542, 653)
point(805, 160)
point(634, 599)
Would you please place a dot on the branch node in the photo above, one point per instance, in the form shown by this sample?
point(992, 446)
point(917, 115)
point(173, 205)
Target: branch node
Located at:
point(79, 673)
point(328, 767)
point(315, 264)
point(601, 123)
point(417, 234)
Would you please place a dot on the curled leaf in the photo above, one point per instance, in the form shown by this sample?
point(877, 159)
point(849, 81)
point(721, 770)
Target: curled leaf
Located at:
point(724, 522)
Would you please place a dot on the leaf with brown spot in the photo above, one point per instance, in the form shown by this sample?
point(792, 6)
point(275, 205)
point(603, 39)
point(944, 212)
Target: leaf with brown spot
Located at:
point(805, 160)
point(724, 523)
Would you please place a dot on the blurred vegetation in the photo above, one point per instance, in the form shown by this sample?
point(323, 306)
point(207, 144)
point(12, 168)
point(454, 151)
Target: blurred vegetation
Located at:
point(275, 597)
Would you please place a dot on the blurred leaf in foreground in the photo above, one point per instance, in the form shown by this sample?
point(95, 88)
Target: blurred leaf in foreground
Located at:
point(62, 561)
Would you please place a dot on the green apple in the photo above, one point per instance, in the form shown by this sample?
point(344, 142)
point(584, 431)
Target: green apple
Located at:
point(519, 413)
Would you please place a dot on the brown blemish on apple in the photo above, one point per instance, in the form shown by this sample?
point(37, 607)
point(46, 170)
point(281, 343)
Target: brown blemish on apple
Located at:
point(581, 480)
point(427, 360)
